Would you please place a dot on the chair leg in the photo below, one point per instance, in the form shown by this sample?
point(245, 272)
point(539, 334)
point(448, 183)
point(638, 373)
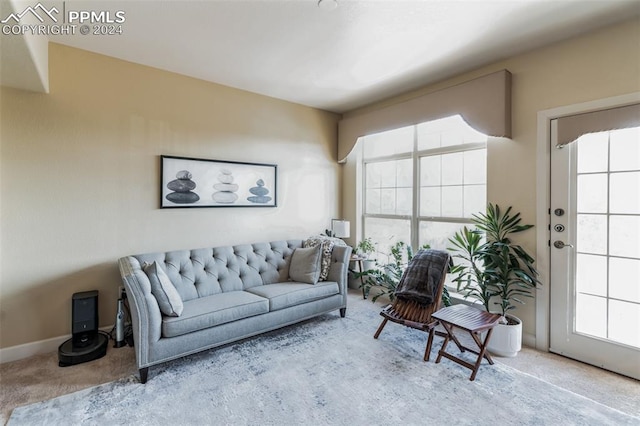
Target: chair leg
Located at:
point(384, 322)
point(427, 352)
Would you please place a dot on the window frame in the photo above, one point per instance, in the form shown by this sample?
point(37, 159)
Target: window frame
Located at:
point(415, 219)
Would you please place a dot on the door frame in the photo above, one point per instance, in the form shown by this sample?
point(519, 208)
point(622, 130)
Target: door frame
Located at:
point(543, 201)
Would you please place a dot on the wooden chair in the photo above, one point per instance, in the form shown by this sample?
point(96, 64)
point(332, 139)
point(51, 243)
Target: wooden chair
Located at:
point(415, 315)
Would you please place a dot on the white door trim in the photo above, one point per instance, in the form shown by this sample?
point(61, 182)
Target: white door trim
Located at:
point(543, 194)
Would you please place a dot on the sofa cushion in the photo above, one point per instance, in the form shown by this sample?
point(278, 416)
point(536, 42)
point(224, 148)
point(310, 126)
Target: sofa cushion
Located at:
point(305, 265)
point(284, 295)
point(326, 244)
point(163, 290)
point(210, 311)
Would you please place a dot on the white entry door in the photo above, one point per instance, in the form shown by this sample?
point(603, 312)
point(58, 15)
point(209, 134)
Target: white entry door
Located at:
point(595, 249)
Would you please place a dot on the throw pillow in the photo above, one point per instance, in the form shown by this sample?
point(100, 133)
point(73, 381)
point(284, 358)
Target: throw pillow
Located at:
point(326, 244)
point(163, 290)
point(305, 265)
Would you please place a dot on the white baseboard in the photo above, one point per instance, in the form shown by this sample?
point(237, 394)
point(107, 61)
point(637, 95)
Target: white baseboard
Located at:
point(15, 353)
point(529, 340)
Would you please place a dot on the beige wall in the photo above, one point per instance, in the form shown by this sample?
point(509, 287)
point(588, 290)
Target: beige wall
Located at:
point(80, 179)
point(594, 66)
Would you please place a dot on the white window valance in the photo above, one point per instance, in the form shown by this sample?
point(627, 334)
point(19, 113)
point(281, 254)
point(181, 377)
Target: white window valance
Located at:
point(572, 127)
point(484, 103)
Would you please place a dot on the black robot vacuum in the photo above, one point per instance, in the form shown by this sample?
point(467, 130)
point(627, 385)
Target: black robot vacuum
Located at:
point(87, 342)
point(70, 353)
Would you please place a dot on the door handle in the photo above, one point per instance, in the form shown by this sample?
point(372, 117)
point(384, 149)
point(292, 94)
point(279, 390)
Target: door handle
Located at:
point(560, 244)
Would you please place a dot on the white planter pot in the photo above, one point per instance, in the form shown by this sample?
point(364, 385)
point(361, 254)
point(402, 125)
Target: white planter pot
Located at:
point(506, 340)
point(369, 264)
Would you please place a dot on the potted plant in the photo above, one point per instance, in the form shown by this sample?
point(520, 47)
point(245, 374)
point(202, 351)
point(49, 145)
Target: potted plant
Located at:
point(495, 271)
point(386, 276)
point(364, 249)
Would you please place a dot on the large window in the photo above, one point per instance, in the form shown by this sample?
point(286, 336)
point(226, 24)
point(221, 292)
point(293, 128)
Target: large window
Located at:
point(422, 183)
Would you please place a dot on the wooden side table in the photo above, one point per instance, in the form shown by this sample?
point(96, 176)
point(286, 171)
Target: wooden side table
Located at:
point(473, 321)
point(357, 261)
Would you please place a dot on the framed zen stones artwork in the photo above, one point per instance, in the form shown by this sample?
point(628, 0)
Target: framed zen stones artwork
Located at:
point(196, 182)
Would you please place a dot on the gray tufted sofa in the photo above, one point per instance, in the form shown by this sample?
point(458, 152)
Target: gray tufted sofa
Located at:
point(229, 293)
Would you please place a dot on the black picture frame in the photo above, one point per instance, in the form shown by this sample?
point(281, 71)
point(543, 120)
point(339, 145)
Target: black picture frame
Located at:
point(198, 182)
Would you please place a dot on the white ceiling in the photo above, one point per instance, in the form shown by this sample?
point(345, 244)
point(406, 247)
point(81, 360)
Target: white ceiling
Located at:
point(359, 53)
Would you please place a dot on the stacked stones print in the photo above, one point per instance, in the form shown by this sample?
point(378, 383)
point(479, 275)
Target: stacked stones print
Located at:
point(225, 188)
point(259, 193)
point(183, 188)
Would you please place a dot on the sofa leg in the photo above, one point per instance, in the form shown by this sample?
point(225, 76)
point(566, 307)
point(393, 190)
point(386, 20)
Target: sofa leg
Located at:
point(343, 312)
point(144, 372)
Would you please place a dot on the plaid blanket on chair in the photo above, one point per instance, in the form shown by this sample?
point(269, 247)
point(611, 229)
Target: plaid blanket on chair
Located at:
point(421, 279)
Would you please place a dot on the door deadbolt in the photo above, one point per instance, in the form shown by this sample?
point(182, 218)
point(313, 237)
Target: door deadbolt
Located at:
point(559, 212)
point(559, 228)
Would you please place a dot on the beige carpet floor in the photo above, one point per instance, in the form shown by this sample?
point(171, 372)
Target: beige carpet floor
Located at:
point(39, 378)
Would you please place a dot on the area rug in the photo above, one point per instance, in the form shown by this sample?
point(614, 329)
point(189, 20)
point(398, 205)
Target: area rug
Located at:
point(326, 371)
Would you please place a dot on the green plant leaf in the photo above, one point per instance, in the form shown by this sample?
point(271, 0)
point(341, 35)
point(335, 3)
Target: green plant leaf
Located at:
point(497, 271)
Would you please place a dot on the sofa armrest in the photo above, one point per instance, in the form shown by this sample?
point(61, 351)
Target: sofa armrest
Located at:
point(146, 318)
point(340, 267)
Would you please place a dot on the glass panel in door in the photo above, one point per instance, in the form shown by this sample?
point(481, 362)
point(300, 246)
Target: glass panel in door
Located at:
point(595, 261)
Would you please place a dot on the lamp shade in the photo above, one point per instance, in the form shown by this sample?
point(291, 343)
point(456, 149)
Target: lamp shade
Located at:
point(328, 5)
point(340, 228)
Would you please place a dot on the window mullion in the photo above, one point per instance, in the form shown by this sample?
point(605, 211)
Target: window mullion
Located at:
point(388, 216)
point(452, 149)
point(415, 224)
point(461, 220)
point(388, 158)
